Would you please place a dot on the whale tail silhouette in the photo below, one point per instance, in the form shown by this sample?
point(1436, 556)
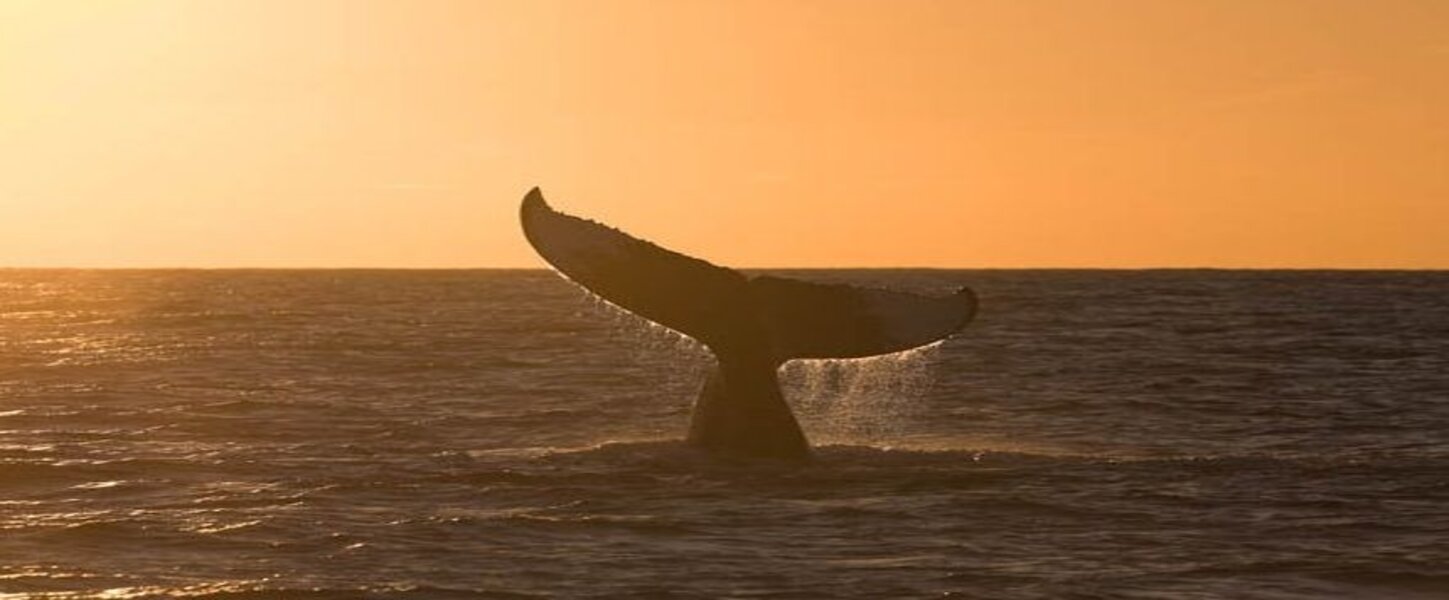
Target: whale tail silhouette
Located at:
point(751, 324)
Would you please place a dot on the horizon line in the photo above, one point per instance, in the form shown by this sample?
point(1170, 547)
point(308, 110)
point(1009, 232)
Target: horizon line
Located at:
point(744, 268)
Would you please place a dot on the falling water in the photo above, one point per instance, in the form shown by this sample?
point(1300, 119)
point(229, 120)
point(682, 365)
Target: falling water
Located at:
point(862, 401)
point(680, 361)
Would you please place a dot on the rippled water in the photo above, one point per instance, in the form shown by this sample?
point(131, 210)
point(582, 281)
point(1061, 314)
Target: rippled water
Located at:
point(491, 434)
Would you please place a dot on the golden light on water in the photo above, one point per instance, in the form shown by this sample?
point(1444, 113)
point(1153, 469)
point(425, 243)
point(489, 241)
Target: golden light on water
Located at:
point(132, 592)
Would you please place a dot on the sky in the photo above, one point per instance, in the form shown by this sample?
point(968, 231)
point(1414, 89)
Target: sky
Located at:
point(753, 133)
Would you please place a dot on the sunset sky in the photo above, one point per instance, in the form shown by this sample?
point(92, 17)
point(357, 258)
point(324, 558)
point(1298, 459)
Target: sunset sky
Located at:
point(830, 133)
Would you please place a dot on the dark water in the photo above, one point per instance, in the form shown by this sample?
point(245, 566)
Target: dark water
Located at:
point(494, 434)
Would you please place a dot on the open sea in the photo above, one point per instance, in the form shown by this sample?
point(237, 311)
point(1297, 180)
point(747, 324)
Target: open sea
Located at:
point(499, 434)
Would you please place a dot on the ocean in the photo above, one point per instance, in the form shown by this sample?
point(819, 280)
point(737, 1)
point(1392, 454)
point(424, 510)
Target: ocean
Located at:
point(500, 434)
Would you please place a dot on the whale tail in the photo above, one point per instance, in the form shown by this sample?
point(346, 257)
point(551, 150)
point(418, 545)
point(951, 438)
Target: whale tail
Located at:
point(751, 324)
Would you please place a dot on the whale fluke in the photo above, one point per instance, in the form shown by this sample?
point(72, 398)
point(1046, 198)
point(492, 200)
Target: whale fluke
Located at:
point(751, 324)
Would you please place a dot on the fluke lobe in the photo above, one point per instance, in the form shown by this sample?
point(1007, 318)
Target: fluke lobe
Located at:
point(752, 324)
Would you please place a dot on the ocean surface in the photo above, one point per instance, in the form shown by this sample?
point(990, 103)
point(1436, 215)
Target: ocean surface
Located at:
point(499, 434)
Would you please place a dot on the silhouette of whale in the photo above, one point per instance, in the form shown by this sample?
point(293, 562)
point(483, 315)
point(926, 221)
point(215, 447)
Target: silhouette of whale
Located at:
point(752, 324)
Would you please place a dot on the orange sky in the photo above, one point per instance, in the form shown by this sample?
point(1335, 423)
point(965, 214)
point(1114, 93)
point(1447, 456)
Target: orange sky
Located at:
point(1011, 133)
